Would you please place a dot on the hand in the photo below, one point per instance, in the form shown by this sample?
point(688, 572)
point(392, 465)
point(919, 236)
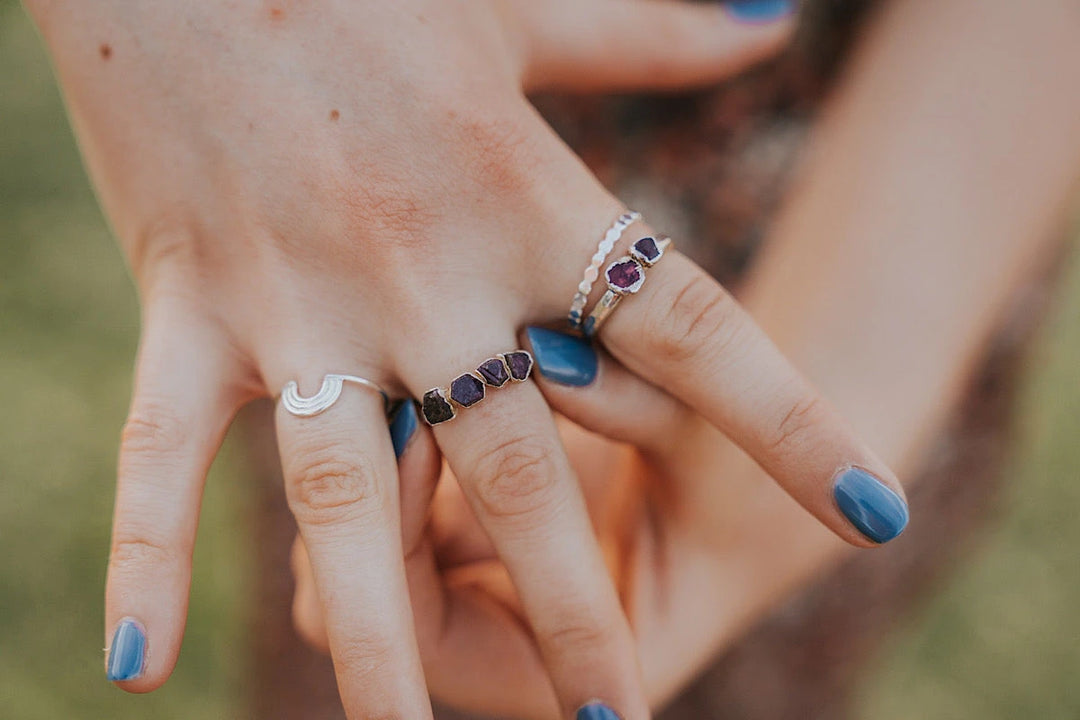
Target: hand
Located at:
point(309, 190)
point(697, 541)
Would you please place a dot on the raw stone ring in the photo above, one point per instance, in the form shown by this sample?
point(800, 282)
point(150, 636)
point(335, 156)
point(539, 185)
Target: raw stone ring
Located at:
point(470, 388)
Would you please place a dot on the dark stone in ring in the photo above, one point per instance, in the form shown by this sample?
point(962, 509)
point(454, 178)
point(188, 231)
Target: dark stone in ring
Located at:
point(625, 276)
point(646, 251)
point(520, 363)
point(467, 390)
point(436, 408)
point(494, 372)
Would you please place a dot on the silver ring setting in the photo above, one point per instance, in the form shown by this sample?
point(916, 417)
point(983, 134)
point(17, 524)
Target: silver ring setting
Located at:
point(441, 404)
point(625, 276)
point(581, 297)
point(328, 394)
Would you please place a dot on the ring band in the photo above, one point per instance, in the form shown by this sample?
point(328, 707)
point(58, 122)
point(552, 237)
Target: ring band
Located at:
point(577, 305)
point(625, 276)
point(329, 392)
point(438, 404)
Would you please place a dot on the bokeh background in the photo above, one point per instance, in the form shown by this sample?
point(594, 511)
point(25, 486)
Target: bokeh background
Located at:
point(998, 638)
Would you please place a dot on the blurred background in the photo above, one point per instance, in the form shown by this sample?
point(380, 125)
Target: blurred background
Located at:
point(993, 631)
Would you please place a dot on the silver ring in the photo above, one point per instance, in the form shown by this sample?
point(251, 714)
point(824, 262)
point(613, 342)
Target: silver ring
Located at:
point(577, 305)
point(301, 406)
point(625, 276)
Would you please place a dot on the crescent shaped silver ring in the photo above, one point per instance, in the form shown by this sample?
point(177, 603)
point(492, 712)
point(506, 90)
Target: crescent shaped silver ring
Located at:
point(301, 406)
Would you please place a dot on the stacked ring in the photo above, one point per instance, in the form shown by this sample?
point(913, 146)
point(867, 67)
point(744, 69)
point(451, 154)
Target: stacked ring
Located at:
point(577, 305)
point(625, 276)
point(466, 390)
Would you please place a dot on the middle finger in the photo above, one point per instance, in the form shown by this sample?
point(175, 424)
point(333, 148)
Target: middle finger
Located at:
point(518, 481)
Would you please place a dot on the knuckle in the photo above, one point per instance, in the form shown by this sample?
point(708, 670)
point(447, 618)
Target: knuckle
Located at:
point(134, 554)
point(326, 487)
point(364, 657)
point(153, 429)
point(797, 422)
point(502, 152)
point(581, 629)
point(515, 479)
point(701, 317)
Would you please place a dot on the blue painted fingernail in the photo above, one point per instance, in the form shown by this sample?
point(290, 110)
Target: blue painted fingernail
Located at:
point(596, 711)
point(403, 423)
point(562, 358)
point(878, 512)
point(759, 10)
point(127, 652)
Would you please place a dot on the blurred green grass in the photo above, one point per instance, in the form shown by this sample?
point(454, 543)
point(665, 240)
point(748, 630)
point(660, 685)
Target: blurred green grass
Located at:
point(1000, 642)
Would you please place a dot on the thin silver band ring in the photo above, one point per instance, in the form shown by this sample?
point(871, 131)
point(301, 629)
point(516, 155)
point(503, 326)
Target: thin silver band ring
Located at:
point(329, 392)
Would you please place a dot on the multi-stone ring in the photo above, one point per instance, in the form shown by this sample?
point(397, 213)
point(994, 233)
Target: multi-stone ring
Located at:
point(467, 389)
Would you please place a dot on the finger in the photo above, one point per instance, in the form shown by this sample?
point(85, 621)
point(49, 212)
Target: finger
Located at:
point(583, 383)
point(476, 653)
point(518, 481)
point(685, 333)
point(419, 463)
point(341, 484)
point(183, 402)
point(606, 45)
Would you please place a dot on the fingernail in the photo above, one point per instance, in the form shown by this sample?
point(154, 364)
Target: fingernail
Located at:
point(878, 512)
point(596, 711)
point(127, 651)
point(403, 423)
point(562, 358)
point(759, 10)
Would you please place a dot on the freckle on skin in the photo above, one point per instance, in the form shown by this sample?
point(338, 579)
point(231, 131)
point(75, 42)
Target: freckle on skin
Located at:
point(105, 51)
point(276, 13)
point(334, 115)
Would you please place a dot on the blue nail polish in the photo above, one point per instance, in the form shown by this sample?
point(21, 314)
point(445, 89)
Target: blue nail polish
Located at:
point(127, 651)
point(596, 711)
point(403, 423)
point(562, 358)
point(759, 10)
point(878, 512)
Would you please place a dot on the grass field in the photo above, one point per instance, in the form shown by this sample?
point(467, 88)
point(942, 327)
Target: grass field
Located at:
point(1002, 641)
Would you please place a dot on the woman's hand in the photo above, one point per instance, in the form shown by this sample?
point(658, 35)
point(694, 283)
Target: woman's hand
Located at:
point(697, 541)
point(361, 188)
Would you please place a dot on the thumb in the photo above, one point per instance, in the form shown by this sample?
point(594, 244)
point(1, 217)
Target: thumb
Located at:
point(610, 45)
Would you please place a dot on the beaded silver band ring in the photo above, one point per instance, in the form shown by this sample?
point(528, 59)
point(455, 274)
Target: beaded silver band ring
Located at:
point(577, 305)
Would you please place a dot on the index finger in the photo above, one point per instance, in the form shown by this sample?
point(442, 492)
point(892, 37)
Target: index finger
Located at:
point(684, 332)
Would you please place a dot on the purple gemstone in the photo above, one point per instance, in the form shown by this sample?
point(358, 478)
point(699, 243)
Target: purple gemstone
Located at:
point(520, 364)
point(625, 275)
point(493, 370)
point(467, 390)
point(647, 248)
point(435, 407)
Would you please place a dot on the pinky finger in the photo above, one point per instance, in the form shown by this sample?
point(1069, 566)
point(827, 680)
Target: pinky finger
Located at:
point(183, 403)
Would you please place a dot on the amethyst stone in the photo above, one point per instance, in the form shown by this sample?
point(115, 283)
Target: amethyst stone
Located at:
point(436, 408)
point(494, 372)
point(467, 390)
point(625, 275)
point(520, 364)
point(646, 250)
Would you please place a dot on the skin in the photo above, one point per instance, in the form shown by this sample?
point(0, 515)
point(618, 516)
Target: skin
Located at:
point(303, 189)
point(898, 276)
